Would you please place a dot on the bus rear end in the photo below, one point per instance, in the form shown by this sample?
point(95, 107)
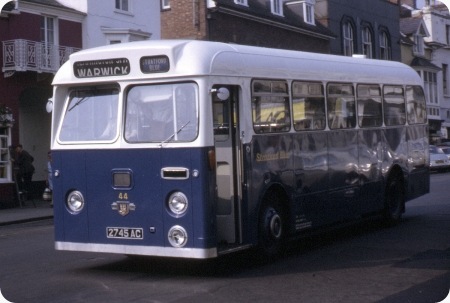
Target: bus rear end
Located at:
point(128, 177)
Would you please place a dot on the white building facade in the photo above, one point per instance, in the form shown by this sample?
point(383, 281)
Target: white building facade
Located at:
point(436, 18)
point(118, 21)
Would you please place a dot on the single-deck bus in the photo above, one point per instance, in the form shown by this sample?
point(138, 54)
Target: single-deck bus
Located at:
point(194, 149)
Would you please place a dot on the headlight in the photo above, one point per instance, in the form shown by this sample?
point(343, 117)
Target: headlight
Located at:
point(178, 203)
point(75, 202)
point(177, 236)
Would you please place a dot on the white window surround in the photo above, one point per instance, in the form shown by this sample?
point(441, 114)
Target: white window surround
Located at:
point(241, 2)
point(276, 7)
point(347, 36)
point(123, 5)
point(165, 4)
point(385, 47)
point(367, 42)
point(307, 9)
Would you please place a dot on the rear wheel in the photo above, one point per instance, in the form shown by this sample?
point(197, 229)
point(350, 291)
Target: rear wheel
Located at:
point(395, 199)
point(272, 226)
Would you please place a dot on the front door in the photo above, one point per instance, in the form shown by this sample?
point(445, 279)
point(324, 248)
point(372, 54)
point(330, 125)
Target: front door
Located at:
point(228, 171)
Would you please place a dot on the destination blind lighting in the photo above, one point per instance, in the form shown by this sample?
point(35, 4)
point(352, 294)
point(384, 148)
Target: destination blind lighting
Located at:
point(101, 68)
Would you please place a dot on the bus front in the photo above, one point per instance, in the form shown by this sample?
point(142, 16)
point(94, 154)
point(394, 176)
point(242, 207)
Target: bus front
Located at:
point(130, 173)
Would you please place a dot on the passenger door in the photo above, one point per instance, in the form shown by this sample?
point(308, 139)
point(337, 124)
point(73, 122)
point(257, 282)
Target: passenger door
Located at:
point(228, 168)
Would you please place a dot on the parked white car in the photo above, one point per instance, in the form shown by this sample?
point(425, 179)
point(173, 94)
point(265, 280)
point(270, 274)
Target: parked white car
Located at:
point(438, 159)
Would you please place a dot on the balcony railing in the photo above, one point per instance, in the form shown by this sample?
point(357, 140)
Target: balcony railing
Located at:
point(25, 55)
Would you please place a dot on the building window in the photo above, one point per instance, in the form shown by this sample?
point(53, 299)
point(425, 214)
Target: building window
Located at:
point(5, 163)
point(48, 34)
point(241, 2)
point(445, 78)
point(430, 86)
point(347, 36)
point(165, 4)
point(308, 11)
point(367, 42)
point(447, 34)
point(277, 7)
point(385, 46)
point(418, 48)
point(122, 5)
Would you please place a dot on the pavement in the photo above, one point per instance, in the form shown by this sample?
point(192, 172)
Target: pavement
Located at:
point(31, 210)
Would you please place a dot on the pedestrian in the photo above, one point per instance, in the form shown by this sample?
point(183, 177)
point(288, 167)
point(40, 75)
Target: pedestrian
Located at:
point(24, 163)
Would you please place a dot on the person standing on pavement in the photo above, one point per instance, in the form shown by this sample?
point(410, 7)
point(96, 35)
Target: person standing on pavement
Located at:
point(24, 163)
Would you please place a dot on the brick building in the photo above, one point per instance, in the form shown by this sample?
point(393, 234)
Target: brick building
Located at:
point(277, 24)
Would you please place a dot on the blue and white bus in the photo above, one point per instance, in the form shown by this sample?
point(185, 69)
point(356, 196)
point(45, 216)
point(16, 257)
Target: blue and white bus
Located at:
point(195, 149)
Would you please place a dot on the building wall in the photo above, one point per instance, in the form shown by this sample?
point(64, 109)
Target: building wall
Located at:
point(26, 92)
point(230, 29)
point(75, 38)
point(186, 19)
point(379, 13)
point(144, 16)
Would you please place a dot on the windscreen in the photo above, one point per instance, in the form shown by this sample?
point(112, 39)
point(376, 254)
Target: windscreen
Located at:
point(162, 113)
point(91, 115)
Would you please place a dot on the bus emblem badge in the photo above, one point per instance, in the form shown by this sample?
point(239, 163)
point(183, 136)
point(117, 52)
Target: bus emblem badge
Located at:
point(123, 208)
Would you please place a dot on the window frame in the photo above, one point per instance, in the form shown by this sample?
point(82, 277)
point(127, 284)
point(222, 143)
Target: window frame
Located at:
point(389, 103)
point(366, 42)
point(165, 5)
point(119, 6)
point(385, 46)
point(362, 100)
point(270, 94)
point(317, 118)
point(348, 34)
point(347, 108)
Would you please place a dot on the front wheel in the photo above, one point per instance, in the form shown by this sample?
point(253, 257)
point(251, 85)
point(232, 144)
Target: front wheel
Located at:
point(272, 226)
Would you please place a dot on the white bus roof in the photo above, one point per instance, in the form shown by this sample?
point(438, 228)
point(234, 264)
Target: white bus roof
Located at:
point(196, 58)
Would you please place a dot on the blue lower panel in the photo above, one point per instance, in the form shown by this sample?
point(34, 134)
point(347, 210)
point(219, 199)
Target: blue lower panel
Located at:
point(139, 206)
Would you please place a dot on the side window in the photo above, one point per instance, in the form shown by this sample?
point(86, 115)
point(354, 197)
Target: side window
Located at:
point(270, 106)
point(369, 105)
point(341, 105)
point(308, 105)
point(416, 105)
point(394, 105)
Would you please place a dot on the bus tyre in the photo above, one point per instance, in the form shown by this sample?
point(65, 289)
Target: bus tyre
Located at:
point(395, 199)
point(272, 227)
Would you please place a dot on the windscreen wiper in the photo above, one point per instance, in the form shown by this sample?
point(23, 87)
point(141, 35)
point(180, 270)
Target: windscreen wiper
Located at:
point(173, 135)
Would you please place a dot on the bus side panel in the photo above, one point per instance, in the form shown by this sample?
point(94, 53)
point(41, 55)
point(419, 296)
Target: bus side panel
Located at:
point(395, 151)
point(311, 179)
point(419, 174)
point(71, 165)
point(199, 222)
point(271, 166)
point(343, 175)
point(370, 149)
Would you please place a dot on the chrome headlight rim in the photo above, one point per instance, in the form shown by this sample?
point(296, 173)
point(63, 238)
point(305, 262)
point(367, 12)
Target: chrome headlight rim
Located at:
point(177, 236)
point(177, 204)
point(75, 202)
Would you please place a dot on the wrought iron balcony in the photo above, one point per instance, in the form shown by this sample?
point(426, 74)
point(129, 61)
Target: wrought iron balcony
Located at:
point(24, 55)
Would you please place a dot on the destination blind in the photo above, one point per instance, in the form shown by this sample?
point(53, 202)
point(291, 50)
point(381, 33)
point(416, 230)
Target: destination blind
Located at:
point(101, 68)
point(155, 64)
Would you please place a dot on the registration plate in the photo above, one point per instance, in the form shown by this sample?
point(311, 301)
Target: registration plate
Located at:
point(124, 233)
